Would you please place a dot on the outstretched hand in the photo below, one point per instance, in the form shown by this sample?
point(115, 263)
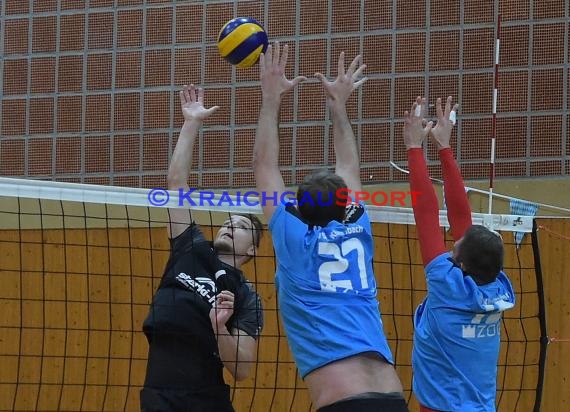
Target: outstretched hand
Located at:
point(441, 132)
point(192, 103)
point(272, 73)
point(339, 90)
point(414, 130)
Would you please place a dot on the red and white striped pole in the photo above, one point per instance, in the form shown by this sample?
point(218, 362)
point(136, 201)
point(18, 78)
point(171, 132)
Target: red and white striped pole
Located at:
point(494, 121)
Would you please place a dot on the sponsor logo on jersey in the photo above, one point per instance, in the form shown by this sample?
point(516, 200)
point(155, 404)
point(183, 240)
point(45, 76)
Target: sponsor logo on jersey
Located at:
point(205, 287)
point(482, 326)
point(334, 234)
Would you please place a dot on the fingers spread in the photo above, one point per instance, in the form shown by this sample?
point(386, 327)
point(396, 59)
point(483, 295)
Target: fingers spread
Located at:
point(192, 93)
point(453, 115)
point(360, 82)
point(438, 109)
point(358, 72)
point(417, 109)
point(452, 118)
point(186, 94)
point(414, 109)
point(341, 64)
point(262, 61)
point(298, 80)
point(352, 66)
point(448, 107)
point(276, 54)
point(326, 84)
point(269, 54)
point(283, 61)
point(212, 110)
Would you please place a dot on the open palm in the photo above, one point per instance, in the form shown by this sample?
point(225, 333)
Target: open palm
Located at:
point(441, 132)
point(415, 131)
point(192, 103)
point(339, 90)
point(272, 65)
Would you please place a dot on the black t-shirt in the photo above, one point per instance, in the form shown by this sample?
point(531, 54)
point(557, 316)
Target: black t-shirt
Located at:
point(183, 351)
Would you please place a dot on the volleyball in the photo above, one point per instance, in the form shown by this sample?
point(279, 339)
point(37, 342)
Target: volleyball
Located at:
point(241, 41)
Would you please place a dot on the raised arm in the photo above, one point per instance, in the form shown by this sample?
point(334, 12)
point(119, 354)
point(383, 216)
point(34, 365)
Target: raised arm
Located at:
point(338, 92)
point(192, 104)
point(426, 209)
point(458, 208)
point(274, 84)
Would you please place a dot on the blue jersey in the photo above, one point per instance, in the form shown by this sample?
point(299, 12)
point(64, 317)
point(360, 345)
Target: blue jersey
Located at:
point(457, 339)
point(326, 288)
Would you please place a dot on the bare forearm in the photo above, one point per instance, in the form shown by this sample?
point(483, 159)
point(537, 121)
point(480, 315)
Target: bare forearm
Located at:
point(268, 177)
point(266, 148)
point(181, 161)
point(344, 140)
point(236, 357)
point(346, 150)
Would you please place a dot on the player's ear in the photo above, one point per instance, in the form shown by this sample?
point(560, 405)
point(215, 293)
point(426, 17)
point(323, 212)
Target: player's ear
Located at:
point(252, 250)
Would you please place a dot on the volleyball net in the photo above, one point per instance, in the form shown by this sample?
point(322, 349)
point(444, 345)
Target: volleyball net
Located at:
point(79, 265)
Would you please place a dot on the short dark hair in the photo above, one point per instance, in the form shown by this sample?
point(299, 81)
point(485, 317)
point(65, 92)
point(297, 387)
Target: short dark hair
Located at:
point(317, 198)
point(481, 251)
point(257, 227)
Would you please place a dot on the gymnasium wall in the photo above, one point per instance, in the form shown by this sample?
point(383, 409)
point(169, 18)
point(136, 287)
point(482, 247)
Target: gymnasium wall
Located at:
point(88, 88)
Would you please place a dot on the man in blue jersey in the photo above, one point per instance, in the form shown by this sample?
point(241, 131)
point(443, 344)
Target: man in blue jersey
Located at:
point(457, 327)
point(325, 281)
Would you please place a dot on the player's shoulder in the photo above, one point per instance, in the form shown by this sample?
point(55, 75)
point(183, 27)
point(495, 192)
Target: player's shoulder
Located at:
point(248, 289)
point(292, 209)
point(444, 268)
point(443, 261)
point(248, 286)
point(248, 314)
point(506, 285)
point(250, 300)
point(281, 215)
point(189, 237)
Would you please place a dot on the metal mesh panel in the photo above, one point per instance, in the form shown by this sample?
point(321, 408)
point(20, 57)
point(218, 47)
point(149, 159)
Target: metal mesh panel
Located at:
point(89, 89)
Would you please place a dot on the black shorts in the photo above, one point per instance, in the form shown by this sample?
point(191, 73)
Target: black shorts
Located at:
point(175, 400)
point(369, 402)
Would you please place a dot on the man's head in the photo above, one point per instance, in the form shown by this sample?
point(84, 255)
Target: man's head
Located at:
point(240, 236)
point(317, 198)
point(480, 253)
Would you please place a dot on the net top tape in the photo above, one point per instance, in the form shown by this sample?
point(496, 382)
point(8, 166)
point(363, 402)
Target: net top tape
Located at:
point(127, 196)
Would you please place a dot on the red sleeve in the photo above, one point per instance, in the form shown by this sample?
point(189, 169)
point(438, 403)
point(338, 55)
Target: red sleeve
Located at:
point(458, 209)
point(426, 208)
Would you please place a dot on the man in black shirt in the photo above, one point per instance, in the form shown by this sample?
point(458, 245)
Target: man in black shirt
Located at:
point(204, 315)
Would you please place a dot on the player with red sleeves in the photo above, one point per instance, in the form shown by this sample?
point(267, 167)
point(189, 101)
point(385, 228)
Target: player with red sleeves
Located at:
point(457, 326)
